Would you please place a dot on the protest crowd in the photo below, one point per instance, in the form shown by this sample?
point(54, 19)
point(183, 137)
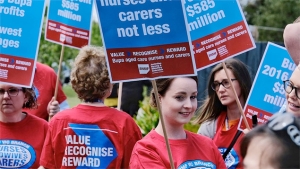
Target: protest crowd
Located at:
point(39, 129)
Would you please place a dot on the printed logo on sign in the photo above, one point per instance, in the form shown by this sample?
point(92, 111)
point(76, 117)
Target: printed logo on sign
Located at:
point(197, 164)
point(212, 54)
point(16, 154)
point(62, 37)
point(143, 68)
point(69, 39)
point(89, 147)
point(3, 73)
point(232, 159)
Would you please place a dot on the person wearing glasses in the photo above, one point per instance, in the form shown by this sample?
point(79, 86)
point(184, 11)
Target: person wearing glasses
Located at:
point(219, 115)
point(292, 86)
point(292, 89)
point(90, 135)
point(275, 144)
point(22, 134)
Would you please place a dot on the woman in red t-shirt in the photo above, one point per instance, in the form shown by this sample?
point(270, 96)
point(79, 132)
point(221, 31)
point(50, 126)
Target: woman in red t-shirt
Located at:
point(219, 114)
point(22, 135)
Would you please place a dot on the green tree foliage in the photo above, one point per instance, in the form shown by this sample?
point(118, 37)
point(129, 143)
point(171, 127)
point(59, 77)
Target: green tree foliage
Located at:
point(272, 13)
point(96, 38)
point(49, 52)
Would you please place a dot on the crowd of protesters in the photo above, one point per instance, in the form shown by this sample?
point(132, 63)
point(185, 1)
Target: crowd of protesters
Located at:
point(93, 135)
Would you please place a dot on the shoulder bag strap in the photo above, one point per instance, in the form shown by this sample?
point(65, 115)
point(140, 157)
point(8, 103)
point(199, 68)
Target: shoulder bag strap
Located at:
point(237, 134)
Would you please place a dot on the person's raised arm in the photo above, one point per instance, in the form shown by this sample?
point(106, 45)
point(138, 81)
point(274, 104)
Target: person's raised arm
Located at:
point(291, 36)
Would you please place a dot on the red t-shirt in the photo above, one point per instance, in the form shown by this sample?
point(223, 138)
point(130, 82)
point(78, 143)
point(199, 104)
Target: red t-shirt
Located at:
point(223, 139)
point(88, 136)
point(195, 151)
point(21, 143)
point(44, 82)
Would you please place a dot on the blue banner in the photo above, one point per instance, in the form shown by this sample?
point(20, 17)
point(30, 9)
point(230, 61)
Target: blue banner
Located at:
point(73, 13)
point(267, 94)
point(21, 23)
point(20, 30)
point(208, 16)
point(268, 91)
point(146, 39)
point(141, 23)
point(69, 22)
point(218, 30)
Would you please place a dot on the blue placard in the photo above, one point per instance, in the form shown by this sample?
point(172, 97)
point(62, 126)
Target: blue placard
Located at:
point(20, 30)
point(69, 22)
point(268, 92)
point(218, 30)
point(141, 23)
point(20, 27)
point(208, 16)
point(145, 38)
point(75, 13)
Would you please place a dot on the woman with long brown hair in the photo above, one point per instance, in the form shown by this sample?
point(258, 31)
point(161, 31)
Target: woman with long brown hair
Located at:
point(219, 114)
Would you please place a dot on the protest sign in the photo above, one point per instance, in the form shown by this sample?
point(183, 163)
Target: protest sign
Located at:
point(145, 39)
point(267, 94)
point(218, 30)
point(20, 29)
point(69, 22)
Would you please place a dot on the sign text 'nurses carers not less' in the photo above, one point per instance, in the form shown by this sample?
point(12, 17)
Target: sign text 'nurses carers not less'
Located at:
point(145, 39)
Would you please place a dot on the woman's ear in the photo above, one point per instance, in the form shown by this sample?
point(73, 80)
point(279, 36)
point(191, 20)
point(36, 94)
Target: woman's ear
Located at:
point(26, 97)
point(25, 100)
point(159, 98)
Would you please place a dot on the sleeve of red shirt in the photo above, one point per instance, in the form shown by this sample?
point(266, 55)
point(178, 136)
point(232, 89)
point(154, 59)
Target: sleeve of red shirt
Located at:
point(47, 159)
point(130, 140)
